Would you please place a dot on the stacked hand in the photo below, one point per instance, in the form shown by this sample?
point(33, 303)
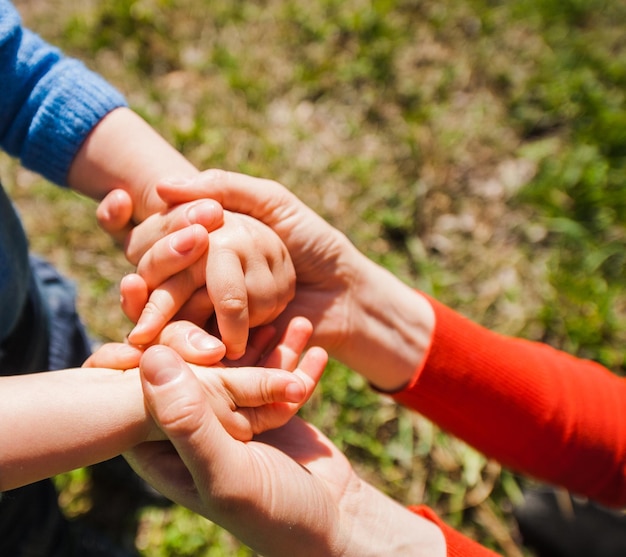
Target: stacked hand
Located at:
point(266, 389)
point(361, 314)
point(287, 492)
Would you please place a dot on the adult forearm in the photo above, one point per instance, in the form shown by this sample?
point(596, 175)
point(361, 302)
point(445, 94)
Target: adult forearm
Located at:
point(391, 328)
point(123, 151)
point(57, 421)
point(381, 526)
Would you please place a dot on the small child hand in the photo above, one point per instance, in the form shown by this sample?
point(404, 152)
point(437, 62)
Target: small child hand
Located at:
point(245, 277)
point(247, 400)
point(251, 400)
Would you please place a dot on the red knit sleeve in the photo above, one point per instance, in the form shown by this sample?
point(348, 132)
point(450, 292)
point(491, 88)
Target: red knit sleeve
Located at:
point(457, 545)
point(535, 409)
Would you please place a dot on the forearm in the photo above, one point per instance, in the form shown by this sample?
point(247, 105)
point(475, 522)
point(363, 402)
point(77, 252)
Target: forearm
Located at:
point(381, 526)
point(68, 124)
point(390, 330)
point(123, 151)
point(57, 421)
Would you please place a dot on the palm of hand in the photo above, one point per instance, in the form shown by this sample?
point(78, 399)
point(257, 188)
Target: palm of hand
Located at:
point(292, 479)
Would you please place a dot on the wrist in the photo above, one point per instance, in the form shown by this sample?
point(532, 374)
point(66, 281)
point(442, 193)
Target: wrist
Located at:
point(378, 525)
point(390, 329)
point(104, 163)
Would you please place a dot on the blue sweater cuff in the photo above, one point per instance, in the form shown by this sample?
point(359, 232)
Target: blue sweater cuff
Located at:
point(50, 103)
point(63, 120)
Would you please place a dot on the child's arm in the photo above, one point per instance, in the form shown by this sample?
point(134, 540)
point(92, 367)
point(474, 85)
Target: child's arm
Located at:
point(60, 420)
point(242, 272)
point(68, 124)
point(57, 421)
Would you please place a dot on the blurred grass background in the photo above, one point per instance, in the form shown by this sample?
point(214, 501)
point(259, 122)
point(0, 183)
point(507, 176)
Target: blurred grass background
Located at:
point(476, 148)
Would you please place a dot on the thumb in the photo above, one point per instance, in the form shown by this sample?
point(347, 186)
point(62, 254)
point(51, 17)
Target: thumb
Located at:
point(177, 403)
point(115, 213)
point(265, 200)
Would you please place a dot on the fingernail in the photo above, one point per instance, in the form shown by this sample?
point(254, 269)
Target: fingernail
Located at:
point(169, 368)
point(136, 334)
point(199, 212)
point(183, 241)
point(205, 342)
point(294, 392)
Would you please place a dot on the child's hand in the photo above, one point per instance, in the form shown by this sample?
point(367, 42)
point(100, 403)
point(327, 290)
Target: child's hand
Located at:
point(193, 343)
point(247, 400)
point(245, 277)
point(251, 400)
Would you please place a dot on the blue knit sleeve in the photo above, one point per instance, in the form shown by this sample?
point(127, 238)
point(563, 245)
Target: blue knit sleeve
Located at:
point(48, 102)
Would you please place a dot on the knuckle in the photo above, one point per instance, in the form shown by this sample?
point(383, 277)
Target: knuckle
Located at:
point(232, 306)
point(153, 308)
point(180, 416)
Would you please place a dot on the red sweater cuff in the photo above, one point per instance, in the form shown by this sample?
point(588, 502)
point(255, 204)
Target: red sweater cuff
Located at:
point(457, 545)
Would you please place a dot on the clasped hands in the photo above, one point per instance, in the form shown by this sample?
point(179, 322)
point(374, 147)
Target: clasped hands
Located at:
point(228, 280)
point(233, 451)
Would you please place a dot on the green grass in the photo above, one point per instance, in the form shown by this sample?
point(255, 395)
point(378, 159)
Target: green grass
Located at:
point(477, 149)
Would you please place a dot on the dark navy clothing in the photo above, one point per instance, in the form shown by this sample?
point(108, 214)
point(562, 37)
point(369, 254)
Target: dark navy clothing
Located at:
point(14, 267)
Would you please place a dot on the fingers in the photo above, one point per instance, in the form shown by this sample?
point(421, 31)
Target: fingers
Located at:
point(260, 341)
point(173, 394)
point(262, 349)
point(198, 308)
point(264, 398)
point(169, 275)
point(192, 343)
point(252, 387)
point(172, 254)
point(250, 278)
point(134, 296)
point(114, 214)
point(263, 199)
point(287, 352)
point(115, 355)
point(176, 401)
point(205, 212)
point(226, 287)
point(311, 369)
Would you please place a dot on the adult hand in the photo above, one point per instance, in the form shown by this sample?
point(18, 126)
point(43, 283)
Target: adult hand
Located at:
point(361, 313)
point(194, 344)
point(325, 260)
point(321, 255)
point(288, 492)
point(267, 387)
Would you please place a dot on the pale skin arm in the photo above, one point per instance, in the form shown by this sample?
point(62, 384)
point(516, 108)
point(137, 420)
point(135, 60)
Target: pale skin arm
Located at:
point(57, 421)
point(125, 152)
point(288, 492)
